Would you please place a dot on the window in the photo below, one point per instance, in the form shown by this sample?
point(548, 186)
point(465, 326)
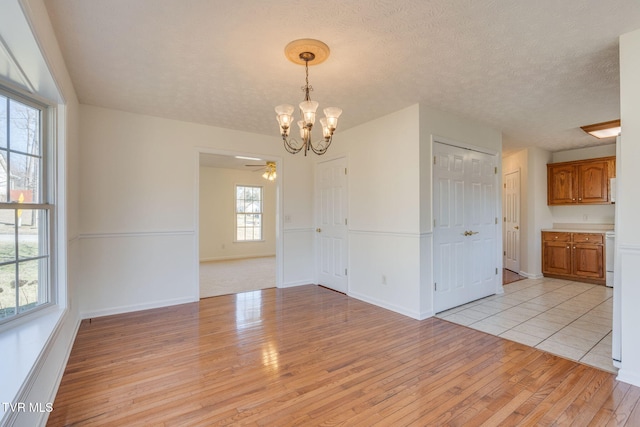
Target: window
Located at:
point(25, 212)
point(248, 213)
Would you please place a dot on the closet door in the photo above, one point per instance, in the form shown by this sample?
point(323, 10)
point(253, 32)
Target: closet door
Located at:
point(465, 226)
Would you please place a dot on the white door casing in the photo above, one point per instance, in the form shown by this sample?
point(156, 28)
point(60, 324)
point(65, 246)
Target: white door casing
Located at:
point(331, 231)
point(511, 219)
point(465, 225)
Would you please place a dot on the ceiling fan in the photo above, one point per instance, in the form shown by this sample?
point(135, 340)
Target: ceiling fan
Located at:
point(269, 170)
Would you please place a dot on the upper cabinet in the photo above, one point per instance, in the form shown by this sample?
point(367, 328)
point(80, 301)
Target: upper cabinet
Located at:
point(580, 182)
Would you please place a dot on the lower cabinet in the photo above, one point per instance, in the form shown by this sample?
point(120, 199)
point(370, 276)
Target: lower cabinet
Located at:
point(575, 256)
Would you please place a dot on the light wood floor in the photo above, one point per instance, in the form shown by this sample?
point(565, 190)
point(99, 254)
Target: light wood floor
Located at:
point(311, 356)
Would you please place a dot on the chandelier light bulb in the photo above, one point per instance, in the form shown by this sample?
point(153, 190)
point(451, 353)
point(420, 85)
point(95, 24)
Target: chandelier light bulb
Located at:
point(332, 113)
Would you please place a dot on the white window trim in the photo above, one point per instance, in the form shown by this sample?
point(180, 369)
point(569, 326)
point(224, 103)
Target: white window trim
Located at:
point(235, 219)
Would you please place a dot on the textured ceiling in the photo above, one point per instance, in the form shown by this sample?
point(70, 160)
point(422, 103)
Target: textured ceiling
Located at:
point(537, 70)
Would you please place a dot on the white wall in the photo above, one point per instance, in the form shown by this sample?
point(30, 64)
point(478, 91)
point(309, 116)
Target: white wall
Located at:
point(390, 231)
point(628, 206)
point(217, 214)
point(384, 210)
point(539, 214)
point(139, 188)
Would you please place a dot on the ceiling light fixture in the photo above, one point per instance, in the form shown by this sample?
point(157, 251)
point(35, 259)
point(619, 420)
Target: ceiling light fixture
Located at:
point(303, 52)
point(270, 171)
point(603, 130)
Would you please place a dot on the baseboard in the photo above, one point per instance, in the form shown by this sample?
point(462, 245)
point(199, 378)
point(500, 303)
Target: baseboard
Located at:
point(392, 307)
point(136, 307)
point(297, 283)
point(628, 377)
point(531, 275)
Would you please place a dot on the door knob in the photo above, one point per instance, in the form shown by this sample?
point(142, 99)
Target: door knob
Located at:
point(516, 227)
point(318, 230)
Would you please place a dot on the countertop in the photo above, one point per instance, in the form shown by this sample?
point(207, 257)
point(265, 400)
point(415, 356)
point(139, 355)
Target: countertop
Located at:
point(578, 230)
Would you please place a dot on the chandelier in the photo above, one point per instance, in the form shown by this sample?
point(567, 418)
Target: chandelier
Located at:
point(303, 52)
point(270, 171)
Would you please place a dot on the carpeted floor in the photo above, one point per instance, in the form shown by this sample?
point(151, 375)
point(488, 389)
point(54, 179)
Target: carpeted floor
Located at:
point(236, 275)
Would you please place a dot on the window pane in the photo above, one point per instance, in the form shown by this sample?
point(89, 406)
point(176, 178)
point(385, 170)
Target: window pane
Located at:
point(3, 121)
point(32, 233)
point(240, 234)
point(7, 235)
point(24, 128)
point(7, 290)
point(25, 178)
point(29, 284)
point(4, 173)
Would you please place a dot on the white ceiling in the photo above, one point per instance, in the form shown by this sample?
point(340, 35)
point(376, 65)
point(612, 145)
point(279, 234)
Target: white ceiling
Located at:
point(537, 70)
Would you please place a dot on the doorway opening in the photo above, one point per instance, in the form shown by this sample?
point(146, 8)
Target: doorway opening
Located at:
point(237, 229)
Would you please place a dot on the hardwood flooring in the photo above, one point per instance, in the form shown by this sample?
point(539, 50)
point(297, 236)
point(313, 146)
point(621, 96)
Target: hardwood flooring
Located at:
point(310, 356)
point(509, 276)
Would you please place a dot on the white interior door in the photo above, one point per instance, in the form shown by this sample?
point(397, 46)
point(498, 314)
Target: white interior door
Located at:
point(511, 200)
point(465, 226)
point(331, 231)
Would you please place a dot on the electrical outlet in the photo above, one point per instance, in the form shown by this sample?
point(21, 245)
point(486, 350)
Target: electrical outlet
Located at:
point(585, 217)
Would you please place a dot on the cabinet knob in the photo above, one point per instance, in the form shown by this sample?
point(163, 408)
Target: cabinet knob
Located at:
point(579, 198)
point(555, 237)
point(573, 198)
point(586, 238)
point(567, 247)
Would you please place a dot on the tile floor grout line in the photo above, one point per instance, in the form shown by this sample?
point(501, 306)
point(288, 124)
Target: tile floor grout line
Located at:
point(572, 319)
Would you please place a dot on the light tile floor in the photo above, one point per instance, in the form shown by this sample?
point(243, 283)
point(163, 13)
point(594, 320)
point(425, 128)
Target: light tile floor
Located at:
point(569, 319)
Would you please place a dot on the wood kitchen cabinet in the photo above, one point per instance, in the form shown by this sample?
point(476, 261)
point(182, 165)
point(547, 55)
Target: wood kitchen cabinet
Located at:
point(575, 256)
point(580, 182)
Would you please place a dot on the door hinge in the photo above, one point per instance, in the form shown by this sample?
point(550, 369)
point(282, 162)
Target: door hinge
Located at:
point(496, 270)
point(504, 253)
point(345, 221)
point(504, 185)
point(345, 271)
point(345, 171)
point(495, 170)
point(504, 219)
point(434, 160)
point(434, 222)
point(435, 286)
point(496, 220)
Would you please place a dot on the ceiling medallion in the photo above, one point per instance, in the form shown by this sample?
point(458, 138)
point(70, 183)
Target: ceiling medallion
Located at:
point(307, 52)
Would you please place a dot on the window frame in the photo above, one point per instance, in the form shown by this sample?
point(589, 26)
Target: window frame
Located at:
point(237, 213)
point(46, 204)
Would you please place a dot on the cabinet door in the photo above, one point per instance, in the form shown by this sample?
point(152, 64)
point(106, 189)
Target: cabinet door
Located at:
point(594, 182)
point(588, 260)
point(561, 184)
point(556, 257)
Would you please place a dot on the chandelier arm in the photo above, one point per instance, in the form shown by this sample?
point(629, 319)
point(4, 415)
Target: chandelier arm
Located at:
point(291, 148)
point(321, 151)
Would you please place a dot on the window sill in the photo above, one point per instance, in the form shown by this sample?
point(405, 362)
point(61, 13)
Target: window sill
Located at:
point(22, 346)
point(249, 241)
